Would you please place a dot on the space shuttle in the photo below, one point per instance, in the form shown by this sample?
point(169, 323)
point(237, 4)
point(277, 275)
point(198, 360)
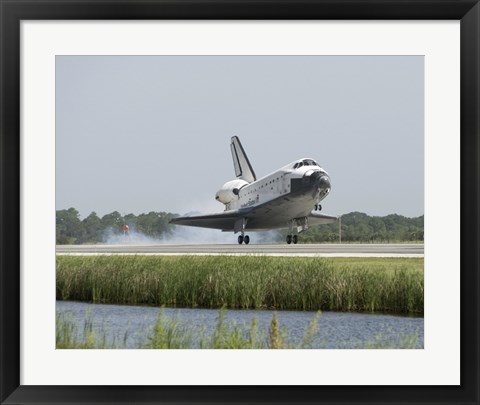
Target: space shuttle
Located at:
point(287, 198)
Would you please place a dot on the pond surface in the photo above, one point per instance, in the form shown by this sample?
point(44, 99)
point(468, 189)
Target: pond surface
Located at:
point(336, 330)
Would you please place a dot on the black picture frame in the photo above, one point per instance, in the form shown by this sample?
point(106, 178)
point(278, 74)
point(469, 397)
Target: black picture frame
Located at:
point(13, 11)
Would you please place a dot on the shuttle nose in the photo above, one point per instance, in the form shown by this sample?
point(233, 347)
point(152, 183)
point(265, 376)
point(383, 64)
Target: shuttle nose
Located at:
point(320, 180)
point(324, 182)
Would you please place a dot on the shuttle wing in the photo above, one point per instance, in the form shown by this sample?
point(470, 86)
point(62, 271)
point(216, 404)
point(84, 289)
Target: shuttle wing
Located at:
point(223, 220)
point(265, 216)
point(315, 218)
point(243, 168)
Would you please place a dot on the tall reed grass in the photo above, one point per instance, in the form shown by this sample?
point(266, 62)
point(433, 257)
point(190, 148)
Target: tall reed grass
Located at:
point(245, 282)
point(68, 336)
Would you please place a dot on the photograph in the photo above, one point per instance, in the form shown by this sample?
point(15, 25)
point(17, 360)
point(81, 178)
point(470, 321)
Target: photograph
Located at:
point(182, 181)
point(239, 202)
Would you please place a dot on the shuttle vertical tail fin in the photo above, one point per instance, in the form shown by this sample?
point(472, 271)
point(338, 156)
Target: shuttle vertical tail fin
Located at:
point(243, 168)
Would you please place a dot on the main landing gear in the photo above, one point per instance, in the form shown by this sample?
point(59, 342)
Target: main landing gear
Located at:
point(301, 224)
point(243, 239)
point(292, 238)
point(240, 226)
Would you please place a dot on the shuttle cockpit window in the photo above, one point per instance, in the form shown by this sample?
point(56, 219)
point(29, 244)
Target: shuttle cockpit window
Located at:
point(309, 162)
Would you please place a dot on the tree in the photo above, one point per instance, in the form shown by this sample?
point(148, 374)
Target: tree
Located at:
point(93, 229)
point(113, 221)
point(69, 229)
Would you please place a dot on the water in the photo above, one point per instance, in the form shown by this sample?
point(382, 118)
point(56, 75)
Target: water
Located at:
point(335, 329)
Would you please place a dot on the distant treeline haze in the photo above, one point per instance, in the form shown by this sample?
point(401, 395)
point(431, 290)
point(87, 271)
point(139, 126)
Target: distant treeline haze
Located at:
point(356, 227)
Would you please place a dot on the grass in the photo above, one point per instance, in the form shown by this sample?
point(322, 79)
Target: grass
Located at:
point(169, 334)
point(68, 336)
point(393, 285)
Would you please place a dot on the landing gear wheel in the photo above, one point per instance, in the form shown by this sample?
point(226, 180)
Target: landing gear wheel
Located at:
point(246, 239)
point(319, 207)
point(240, 239)
point(295, 239)
point(289, 239)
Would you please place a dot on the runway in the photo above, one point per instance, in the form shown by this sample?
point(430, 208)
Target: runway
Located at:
point(315, 250)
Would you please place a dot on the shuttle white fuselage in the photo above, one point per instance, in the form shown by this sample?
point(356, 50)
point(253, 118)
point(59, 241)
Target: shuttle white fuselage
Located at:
point(242, 194)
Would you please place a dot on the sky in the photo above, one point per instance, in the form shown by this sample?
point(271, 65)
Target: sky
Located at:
point(136, 134)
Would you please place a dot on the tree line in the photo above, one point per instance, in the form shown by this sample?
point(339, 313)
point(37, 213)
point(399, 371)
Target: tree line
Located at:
point(360, 227)
point(70, 229)
point(355, 227)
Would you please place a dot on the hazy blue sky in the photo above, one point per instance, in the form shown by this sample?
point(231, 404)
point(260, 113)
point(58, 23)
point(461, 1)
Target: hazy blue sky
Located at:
point(151, 133)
